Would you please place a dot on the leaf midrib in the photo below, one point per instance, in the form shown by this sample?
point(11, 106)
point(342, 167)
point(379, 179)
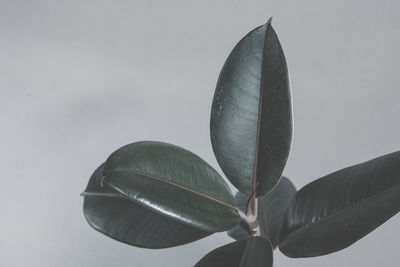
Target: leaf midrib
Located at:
point(163, 180)
point(260, 108)
point(99, 194)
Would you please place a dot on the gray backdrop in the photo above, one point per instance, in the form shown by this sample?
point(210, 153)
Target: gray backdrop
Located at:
point(78, 79)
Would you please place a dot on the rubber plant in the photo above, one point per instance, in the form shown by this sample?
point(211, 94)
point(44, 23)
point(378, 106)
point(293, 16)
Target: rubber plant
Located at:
point(157, 195)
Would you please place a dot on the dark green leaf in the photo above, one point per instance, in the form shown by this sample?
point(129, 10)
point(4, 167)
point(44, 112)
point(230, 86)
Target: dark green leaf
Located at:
point(242, 231)
point(271, 210)
point(173, 182)
point(335, 211)
point(251, 116)
point(250, 252)
point(112, 214)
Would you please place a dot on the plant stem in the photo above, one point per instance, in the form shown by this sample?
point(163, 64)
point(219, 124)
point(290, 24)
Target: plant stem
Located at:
point(251, 217)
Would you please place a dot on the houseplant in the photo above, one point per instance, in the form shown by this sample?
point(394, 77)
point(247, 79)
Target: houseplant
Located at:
point(156, 195)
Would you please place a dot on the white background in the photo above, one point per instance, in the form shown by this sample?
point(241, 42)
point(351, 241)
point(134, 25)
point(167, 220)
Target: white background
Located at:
point(78, 79)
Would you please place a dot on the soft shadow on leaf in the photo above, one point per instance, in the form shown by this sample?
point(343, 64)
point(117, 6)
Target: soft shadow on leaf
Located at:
point(271, 210)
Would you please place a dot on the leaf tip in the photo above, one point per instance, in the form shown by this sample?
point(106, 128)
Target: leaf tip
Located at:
point(269, 21)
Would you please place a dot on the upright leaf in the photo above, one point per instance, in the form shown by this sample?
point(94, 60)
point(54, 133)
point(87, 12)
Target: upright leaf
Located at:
point(114, 215)
point(271, 210)
point(251, 116)
point(250, 252)
point(173, 182)
point(335, 211)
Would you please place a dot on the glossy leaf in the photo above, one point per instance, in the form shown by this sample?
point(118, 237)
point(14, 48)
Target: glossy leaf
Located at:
point(173, 182)
point(335, 211)
point(271, 210)
point(250, 252)
point(114, 215)
point(251, 117)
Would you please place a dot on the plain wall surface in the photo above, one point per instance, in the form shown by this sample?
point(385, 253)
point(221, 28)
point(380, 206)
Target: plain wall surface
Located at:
point(79, 79)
